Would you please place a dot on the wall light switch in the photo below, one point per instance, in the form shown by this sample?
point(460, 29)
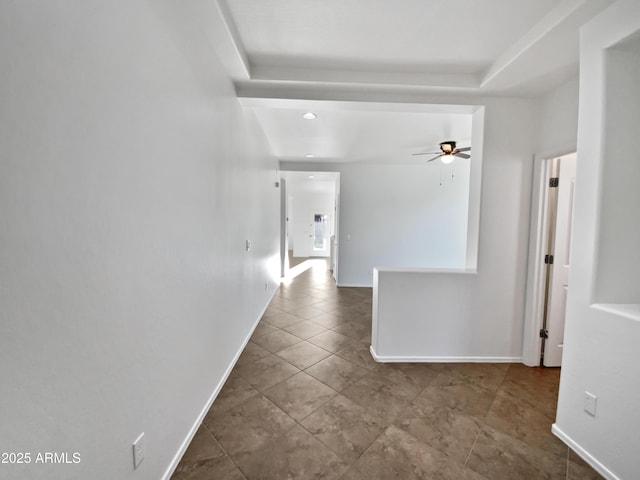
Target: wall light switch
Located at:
point(590, 402)
point(247, 245)
point(138, 451)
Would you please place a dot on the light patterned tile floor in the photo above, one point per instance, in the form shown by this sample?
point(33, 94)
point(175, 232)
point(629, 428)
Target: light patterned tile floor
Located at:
point(307, 401)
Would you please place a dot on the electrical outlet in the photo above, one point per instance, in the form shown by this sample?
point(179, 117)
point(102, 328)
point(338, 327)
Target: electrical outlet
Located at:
point(138, 451)
point(590, 402)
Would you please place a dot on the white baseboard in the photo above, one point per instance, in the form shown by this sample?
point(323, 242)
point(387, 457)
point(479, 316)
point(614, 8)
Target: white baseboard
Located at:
point(586, 456)
point(440, 359)
point(353, 285)
point(203, 413)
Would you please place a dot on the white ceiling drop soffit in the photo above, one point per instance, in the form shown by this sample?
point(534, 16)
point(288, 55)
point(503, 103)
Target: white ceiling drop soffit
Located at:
point(389, 79)
point(349, 50)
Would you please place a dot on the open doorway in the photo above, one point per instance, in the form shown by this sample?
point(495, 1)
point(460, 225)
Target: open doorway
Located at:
point(549, 261)
point(309, 219)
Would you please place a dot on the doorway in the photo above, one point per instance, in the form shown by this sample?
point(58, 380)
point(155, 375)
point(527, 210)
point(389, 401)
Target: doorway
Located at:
point(549, 260)
point(309, 218)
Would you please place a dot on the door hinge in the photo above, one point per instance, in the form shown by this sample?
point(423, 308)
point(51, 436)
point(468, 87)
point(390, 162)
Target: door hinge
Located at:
point(548, 259)
point(553, 182)
point(544, 333)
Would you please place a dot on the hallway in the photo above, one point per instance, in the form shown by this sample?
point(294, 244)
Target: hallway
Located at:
point(306, 400)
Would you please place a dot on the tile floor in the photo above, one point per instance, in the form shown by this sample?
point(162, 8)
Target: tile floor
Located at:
point(307, 401)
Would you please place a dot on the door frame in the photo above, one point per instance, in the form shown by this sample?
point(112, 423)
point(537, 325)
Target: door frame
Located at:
point(561, 218)
point(285, 214)
point(536, 271)
point(284, 228)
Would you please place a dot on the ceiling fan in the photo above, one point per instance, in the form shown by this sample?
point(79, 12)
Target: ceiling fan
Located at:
point(448, 151)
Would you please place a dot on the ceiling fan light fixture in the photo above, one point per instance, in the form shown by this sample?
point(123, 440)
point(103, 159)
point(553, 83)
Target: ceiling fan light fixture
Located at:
point(309, 116)
point(448, 150)
point(448, 147)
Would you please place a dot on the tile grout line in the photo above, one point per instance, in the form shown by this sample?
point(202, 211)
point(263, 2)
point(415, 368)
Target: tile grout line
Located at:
point(475, 440)
point(224, 450)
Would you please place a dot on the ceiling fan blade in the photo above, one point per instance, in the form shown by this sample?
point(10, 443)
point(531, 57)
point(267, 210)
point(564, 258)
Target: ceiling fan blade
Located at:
point(465, 149)
point(435, 158)
point(462, 155)
point(426, 153)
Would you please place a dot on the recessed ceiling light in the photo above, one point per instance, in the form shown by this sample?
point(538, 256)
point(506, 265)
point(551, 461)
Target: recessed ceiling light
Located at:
point(309, 116)
point(311, 176)
point(310, 155)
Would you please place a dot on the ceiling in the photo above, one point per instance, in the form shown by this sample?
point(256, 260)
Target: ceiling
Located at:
point(321, 183)
point(353, 131)
point(369, 67)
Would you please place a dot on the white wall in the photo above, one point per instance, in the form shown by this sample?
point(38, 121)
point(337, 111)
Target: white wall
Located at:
point(558, 129)
point(398, 215)
point(601, 353)
point(458, 316)
point(619, 240)
point(129, 180)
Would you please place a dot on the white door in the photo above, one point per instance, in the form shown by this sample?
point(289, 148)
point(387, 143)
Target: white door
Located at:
point(559, 282)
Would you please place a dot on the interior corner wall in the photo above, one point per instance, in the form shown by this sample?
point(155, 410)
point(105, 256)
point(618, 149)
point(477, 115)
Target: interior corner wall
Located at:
point(475, 190)
point(558, 130)
point(601, 353)
point(130, 178)
point(618, 259)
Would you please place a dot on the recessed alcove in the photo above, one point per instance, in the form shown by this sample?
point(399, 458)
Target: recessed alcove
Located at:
point(618, 256)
